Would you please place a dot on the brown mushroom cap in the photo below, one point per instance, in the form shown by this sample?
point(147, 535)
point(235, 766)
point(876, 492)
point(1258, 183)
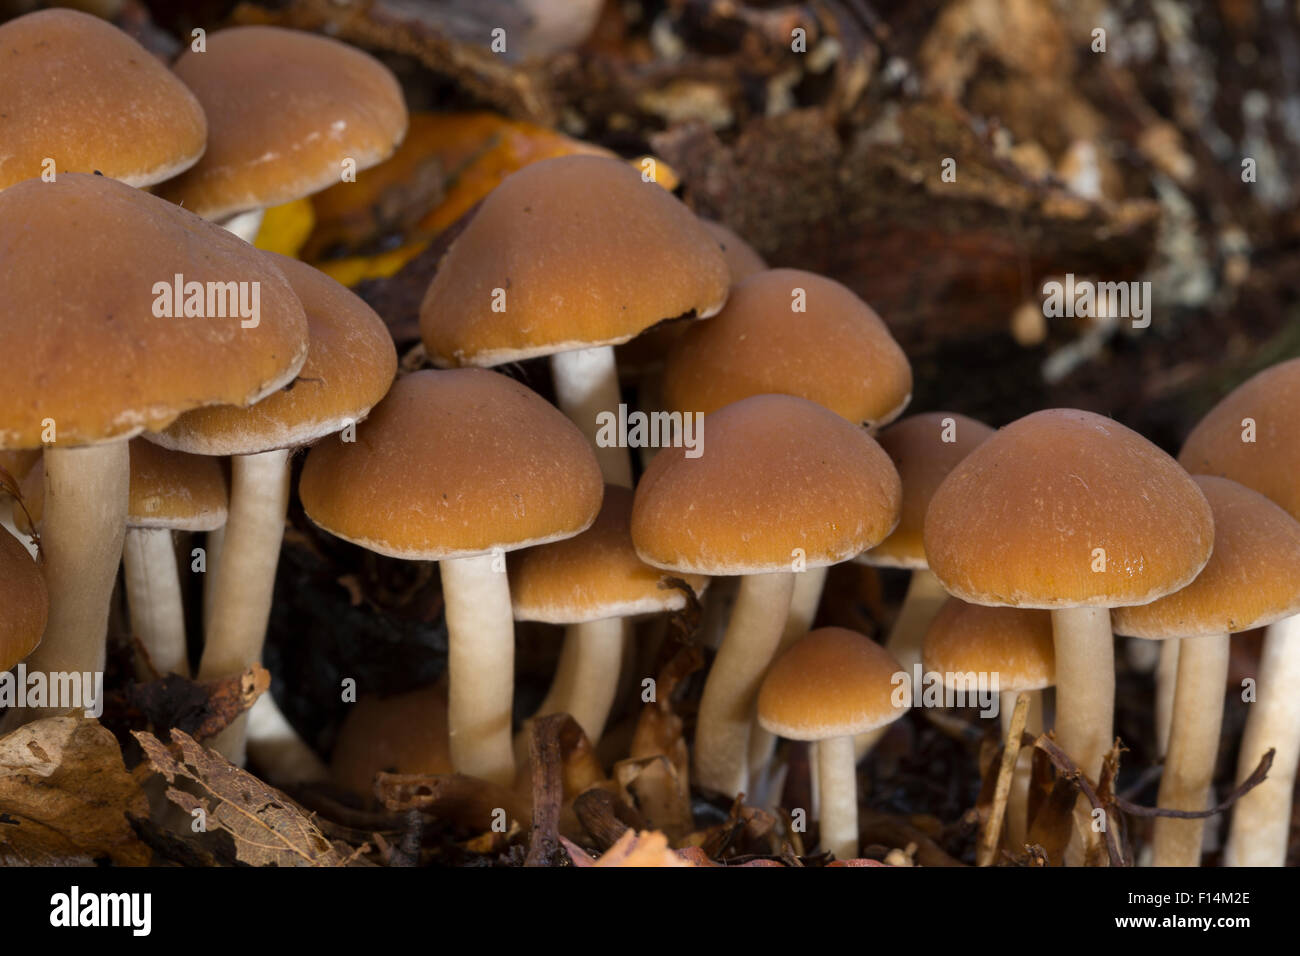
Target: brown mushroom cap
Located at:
point(832, 683)
point(285, 108)
point(923, 458)
point(19, 461)
point(1014, 643)
point(169, 490)
point(1019, 520)
point(742, 259)
point(24, 602)
point(776, 473)
point(1252, 580)
point(351, 361)
point(586, 253)
point(593, 575)
point(454, 464)
point(1271, 463)
point(81, 92)
point(837, 353)
point(404, 733)
point(79, 340)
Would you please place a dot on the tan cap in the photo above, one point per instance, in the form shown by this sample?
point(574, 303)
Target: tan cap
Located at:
point(24, 602)
point(350, 365)
point(924, 448)
point(404, 733)
point(832, 683)
point(1267, 409)
point(836, 352)
point(453, 464)
point(584, 252)
point(1252, 580)
point(81, 342)
point(1014, 643)
point(594, 575)
point(81, 92)
point(777, 473)
point(19, 462)
point(169, 490)
point(285, 110)
point(1064, 508)
point(742, 259)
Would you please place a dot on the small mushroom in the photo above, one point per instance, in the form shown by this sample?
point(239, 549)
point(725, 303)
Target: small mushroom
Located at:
point(24, 602)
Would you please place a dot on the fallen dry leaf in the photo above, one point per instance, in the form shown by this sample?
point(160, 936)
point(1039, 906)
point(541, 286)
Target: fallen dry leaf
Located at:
point(647, 848)
point(65, 795)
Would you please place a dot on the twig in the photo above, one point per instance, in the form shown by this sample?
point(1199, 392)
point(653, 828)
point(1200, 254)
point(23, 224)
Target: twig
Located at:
point(1247, 785)
point(992, 832)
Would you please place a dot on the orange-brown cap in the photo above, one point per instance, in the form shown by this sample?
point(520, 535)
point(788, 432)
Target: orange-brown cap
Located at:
point(569, 253)
point(453, 464)
point(350, 365)
point(169, 490)
point(594, 575)
point(81, 92)
point(1252, 580)
point(1253, 437)
point(24, 602)
point(777, 476)
point(1014, 643)
point(286, 109)
point(924, 448)
point(742, 259)
point(832, 683)
point(19, 461)
point(88, 271)
point(1064, 508)
point(405, 733)
point(793, 333)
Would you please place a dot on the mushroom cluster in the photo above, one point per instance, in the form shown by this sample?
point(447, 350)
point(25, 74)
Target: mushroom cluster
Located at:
point(161, 374)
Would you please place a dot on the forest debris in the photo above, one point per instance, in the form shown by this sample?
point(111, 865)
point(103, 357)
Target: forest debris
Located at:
point(65, 796)
point(268, 828)
point(991, 832)
point(892, 831)
point(606, 817)
point(547, 759)
point(646, 848)
point(201, 709)
point(458, 799)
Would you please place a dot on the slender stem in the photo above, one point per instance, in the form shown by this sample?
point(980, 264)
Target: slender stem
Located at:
point(212, 563)
point(1166, 681)
point(84, 521)
point(1261, 819)
point(1018, 800)
point(838, 783)
point(731, 691)
point(586, 384)
point(587, 675)
point(481, 665)
point(153, 594)
point(1193, 747)
point(245, 585)
point(277, 749)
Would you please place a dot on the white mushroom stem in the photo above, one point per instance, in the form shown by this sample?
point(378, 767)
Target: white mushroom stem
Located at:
point(481, 666)
point(1193, 747)
point(1261, 820)
point(86, 493)
point(245, 224)
point(245, 584)
point(1017, 822)
point(838, 786)
point(586, 384)
point(586, 677)
point(1166, 681)
point(153, 595)
point(731, 691)
point(277, 749)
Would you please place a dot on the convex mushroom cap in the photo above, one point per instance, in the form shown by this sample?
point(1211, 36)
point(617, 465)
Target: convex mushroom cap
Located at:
point(404, 733)
point(24, 602)
point(1064, 508)
point(1014, 643)
point(351, 361)
point(778, 475)
point(569, 253)
point(285, 109)
point(920, 449)
point(454, 464)
point(593, 575)
point(794, 333)
point(85, 262)
point(1251, 580)
point(832, 683)
point(81, 92)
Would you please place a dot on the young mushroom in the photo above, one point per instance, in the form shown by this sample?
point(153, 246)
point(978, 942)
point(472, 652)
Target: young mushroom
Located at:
point(782, 483)
point(114, 355)
point(1253, 437)
point(402, 733)
point(24, 603)
point(460, 467)
point(1252, 580)
point(831, 684)
point(289, 113)
point(1074, 513)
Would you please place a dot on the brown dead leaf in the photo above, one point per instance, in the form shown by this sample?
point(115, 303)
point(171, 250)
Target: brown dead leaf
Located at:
point(268, 828)
point(647, 848)
point(201, 709)
point(65, 796)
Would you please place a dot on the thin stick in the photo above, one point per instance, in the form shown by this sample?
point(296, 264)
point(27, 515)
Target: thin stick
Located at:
point(992, 833)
